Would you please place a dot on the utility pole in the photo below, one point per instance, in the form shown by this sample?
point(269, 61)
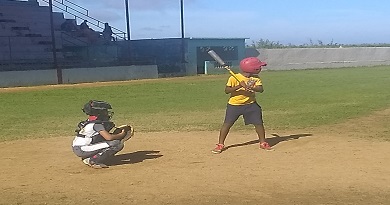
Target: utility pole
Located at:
point(53, 42)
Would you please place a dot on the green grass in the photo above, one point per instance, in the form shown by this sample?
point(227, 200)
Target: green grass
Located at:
point(292, 99)
point(316, 97)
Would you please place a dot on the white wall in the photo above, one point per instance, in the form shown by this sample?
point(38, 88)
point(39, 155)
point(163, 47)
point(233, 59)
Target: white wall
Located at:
point(77, 75)
point(305, 58)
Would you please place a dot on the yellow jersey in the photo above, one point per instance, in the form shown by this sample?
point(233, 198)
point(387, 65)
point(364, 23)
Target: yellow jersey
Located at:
point(240, 96)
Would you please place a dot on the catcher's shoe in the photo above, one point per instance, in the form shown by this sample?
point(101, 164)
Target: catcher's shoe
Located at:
point(266, 146)
point(93, 164)
point(218, 149)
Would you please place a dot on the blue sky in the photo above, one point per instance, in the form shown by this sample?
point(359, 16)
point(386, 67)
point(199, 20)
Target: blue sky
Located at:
point(284, 21)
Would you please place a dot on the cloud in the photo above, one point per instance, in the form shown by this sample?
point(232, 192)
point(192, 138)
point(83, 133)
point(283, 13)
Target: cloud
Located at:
point(157, 4)
point(151, 29)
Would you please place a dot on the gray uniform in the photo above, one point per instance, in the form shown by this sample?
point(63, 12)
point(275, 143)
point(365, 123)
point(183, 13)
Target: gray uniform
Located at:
point(89, 143)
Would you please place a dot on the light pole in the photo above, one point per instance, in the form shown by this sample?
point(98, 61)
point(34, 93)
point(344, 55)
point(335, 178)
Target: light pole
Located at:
point(127, 19)
point(182, 18)
point(128, 31)
point(183, 55)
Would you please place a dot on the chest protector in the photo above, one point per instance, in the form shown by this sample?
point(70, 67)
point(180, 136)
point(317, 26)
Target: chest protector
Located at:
point(108, 125)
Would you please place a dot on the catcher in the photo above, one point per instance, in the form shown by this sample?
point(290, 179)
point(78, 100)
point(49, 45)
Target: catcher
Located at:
point(97, 138)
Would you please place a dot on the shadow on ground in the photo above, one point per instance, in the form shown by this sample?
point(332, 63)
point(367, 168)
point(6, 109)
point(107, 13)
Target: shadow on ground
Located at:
point(134, 157)
point(271, 141)
point(277, 138)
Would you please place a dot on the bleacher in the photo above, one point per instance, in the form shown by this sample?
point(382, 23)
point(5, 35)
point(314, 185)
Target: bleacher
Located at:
point(25, 36)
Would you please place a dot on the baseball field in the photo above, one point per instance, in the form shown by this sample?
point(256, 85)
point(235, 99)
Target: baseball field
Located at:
point(330, 129)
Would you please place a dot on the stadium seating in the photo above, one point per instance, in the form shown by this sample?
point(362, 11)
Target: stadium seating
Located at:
point(25, 34)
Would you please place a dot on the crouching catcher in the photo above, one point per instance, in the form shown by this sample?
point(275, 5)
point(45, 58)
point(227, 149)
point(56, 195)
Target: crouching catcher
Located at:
point(97, 138)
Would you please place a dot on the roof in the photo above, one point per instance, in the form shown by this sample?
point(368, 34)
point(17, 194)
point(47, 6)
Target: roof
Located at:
point(217, 38)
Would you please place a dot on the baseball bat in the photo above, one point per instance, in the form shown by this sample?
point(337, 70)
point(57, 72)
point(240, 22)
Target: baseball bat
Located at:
point(222, 63)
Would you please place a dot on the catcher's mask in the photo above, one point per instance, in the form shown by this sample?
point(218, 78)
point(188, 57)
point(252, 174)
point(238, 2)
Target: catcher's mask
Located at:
point(98, 108)
point(251, 65)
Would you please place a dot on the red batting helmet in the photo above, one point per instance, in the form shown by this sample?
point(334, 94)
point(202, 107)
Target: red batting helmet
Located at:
point(251, 65)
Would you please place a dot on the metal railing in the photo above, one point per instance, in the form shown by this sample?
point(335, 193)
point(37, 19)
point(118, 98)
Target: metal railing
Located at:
point(62, 2)
point(118, 34)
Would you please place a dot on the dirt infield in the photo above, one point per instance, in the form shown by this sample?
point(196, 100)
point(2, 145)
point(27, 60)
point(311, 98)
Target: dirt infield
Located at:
point(337, 165)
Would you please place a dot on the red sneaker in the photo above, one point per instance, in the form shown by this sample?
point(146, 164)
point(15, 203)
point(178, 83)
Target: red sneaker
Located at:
point(218, 149)
point(266, 146)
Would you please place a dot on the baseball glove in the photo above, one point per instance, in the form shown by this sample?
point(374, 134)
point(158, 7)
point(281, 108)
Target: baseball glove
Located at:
point(128, 129)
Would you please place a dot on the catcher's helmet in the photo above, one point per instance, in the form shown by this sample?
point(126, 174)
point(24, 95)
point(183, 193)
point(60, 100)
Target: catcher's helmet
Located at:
point(98, 108)
point(251, 65)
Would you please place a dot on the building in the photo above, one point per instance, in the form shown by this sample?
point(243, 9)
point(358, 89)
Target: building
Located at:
point(188, 55)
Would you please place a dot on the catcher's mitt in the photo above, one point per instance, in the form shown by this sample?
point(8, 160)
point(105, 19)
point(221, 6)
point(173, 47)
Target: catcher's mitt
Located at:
point(128, 129)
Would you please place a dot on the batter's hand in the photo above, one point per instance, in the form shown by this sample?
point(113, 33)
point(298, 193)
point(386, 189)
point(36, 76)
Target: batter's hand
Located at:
point(246, 86)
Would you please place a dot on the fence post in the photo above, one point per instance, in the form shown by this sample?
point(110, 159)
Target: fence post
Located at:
point(53, 42)
point(10, 49)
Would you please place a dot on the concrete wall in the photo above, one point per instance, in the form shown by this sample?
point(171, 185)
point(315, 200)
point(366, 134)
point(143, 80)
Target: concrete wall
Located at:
point(165, 53)
point(306, 58)
point(77, 75)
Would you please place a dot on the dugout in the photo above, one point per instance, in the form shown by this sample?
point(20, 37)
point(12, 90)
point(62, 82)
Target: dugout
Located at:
point(186, 56)
point(231, 50)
